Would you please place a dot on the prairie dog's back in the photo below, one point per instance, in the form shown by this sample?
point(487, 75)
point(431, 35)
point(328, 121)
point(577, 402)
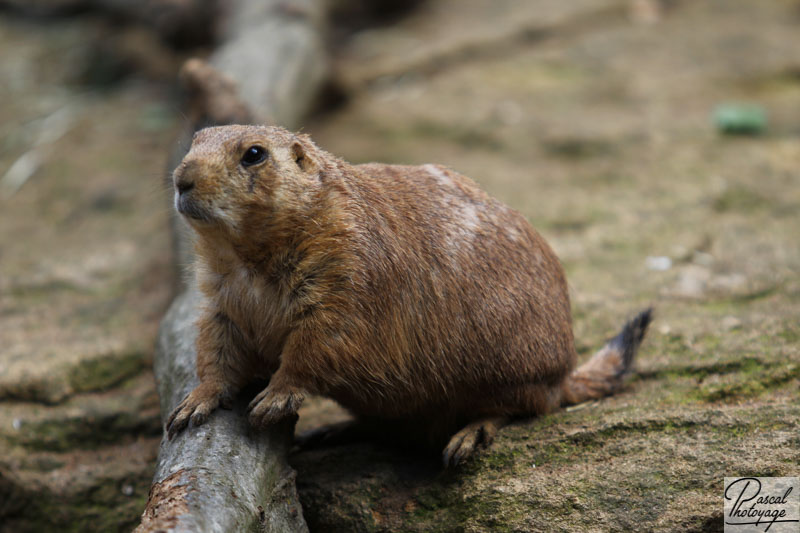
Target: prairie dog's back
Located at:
point(460, 291)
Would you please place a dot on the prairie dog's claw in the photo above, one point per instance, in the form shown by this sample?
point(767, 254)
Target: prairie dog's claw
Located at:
point(196, 407)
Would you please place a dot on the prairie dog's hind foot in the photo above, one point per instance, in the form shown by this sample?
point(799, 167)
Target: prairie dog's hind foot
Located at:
point(474, 436)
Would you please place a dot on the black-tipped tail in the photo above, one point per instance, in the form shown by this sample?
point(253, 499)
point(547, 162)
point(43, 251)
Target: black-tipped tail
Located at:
point(629, 339)
point(602, 375)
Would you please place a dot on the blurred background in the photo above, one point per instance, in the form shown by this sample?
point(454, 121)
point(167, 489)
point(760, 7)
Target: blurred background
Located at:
point(654, 143)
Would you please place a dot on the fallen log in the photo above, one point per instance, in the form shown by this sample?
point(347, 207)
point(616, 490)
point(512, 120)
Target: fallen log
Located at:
point(223, 476)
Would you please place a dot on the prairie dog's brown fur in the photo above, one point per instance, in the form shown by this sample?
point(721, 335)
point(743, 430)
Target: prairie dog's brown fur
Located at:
point(404, 293)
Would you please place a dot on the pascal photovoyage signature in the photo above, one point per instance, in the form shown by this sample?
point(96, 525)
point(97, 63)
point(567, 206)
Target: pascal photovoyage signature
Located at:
point(750, 507)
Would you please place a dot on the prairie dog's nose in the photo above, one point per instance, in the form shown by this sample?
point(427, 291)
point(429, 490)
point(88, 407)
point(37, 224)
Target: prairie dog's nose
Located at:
point(184, 177)
point(183, 185)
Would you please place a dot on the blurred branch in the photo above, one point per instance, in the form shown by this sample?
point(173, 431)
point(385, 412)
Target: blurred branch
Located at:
point(486, 42)
point(52, 128)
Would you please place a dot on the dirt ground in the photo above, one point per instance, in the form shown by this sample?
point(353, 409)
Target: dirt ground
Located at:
point(594, 118)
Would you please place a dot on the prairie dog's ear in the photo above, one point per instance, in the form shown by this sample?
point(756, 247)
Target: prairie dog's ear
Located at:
point(302, 158)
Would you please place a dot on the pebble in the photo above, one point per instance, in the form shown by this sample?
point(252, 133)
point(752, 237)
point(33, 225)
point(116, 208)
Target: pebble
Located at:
point(659, 263)
point(692, 282)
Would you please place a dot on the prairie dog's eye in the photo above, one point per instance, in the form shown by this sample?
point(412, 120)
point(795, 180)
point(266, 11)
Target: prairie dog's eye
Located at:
point(253, 156)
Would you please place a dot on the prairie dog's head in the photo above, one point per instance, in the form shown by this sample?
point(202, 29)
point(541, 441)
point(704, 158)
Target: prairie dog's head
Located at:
point(236, 177)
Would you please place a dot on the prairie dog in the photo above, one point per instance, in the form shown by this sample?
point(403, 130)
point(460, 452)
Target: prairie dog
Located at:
point(405, 293)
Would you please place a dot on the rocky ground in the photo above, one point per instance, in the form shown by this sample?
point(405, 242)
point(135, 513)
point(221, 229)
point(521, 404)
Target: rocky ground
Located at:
point(591, 117)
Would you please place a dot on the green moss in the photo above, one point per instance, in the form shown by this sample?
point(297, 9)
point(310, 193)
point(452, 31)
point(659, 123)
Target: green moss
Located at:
point(579, 148)
point(741, 377)
point(103, 507)
point(443, 508)
point(736, 303)
point(501, 460)
point(791, 334)
point(42, 292)
point(104, 372)
point(747, 365)
point(566, 222)
point(753, 381)
point(435, 514)
point(85, 432)
point(755, 295)
point(741, 199)
point(564, 450)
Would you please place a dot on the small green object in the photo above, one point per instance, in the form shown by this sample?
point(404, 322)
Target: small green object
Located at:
point(740, 119)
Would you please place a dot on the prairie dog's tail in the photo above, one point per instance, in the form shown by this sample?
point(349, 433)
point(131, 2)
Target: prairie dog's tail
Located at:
point(602, 375)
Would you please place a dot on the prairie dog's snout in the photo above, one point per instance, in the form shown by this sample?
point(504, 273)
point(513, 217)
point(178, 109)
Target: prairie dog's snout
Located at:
point(187, 202)
point(182, 178)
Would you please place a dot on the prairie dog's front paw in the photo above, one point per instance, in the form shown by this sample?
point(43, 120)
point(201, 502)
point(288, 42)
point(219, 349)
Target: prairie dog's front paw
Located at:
point(271, 406)
point(196, 407)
